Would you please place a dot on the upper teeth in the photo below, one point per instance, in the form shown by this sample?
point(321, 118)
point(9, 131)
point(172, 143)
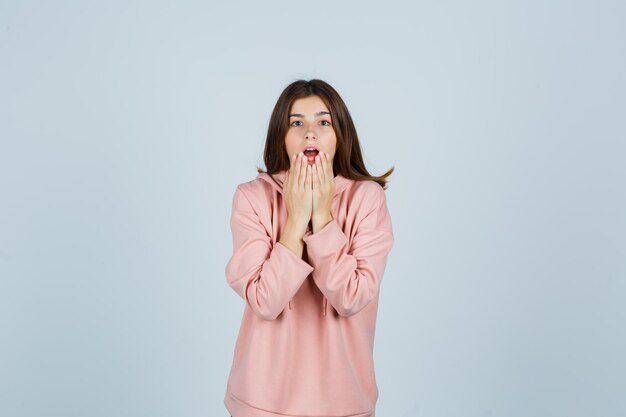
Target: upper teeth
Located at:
point(310, 149)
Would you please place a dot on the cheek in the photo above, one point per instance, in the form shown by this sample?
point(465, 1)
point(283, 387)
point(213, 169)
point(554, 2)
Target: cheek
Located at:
point(332, 144)
point(289, 145)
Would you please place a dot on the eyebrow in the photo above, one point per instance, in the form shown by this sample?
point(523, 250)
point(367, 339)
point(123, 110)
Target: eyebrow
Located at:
point(319, 113)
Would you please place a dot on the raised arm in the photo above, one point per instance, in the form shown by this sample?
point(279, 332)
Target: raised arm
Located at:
point(266, 276)
point(349, 275)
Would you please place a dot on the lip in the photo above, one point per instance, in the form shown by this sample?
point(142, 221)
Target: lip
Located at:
point(311, 146)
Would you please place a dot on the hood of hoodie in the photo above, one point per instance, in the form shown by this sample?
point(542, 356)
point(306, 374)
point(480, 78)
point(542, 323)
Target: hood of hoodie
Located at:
point(276, 180)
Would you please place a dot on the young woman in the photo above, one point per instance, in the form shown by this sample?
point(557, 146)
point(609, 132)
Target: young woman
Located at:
point(311, 237)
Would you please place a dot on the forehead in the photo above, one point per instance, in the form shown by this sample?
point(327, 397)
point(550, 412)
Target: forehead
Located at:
point(308, 106)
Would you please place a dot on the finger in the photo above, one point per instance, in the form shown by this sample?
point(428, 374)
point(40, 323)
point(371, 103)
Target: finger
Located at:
point(328, 171)
point(292, 162)
point(297, 171)
point(309, 176)
point(318, 168)
point(316, 176)
point(323, 168)
point(303, 165)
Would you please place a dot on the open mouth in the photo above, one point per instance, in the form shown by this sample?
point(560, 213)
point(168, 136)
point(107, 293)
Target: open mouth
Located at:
point(311, 153)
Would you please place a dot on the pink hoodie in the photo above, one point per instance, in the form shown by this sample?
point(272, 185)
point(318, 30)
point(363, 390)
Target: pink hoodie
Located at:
point(305, 346)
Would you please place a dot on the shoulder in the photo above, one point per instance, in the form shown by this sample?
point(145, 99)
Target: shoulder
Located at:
point(370, 202)
point(256, 193)
point(369, 187)
point(369, 192)
point(250, 187)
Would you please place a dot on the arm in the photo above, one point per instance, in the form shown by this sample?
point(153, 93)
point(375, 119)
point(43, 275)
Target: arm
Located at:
point(349, 275)
point(265, 277)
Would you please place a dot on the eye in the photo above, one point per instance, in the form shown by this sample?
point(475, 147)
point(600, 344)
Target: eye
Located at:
point(296, 121)
point(326, 122)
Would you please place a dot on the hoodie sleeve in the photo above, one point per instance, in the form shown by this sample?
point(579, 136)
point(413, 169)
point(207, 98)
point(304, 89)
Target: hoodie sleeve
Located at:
point(266, 276)
point(349, 273)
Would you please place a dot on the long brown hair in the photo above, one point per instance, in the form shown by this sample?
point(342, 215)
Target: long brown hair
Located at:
point(347, 161)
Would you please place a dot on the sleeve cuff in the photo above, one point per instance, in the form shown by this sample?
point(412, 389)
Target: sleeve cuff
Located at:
point(327, 239)
point(298, 264)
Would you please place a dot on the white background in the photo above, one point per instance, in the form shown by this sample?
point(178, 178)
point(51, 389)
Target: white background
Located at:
point(125, 127)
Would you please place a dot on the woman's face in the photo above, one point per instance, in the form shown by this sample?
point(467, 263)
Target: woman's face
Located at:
point(310, 126)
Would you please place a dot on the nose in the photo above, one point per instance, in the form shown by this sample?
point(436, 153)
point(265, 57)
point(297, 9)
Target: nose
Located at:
point(310, 134)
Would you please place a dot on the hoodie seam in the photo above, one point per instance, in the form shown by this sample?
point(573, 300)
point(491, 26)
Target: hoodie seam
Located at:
point(248, 200)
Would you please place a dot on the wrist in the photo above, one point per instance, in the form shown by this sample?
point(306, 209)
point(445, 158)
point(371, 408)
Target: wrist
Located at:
point(320, 220)
point(294, 245)
point(294, 230)
point(292, 239)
